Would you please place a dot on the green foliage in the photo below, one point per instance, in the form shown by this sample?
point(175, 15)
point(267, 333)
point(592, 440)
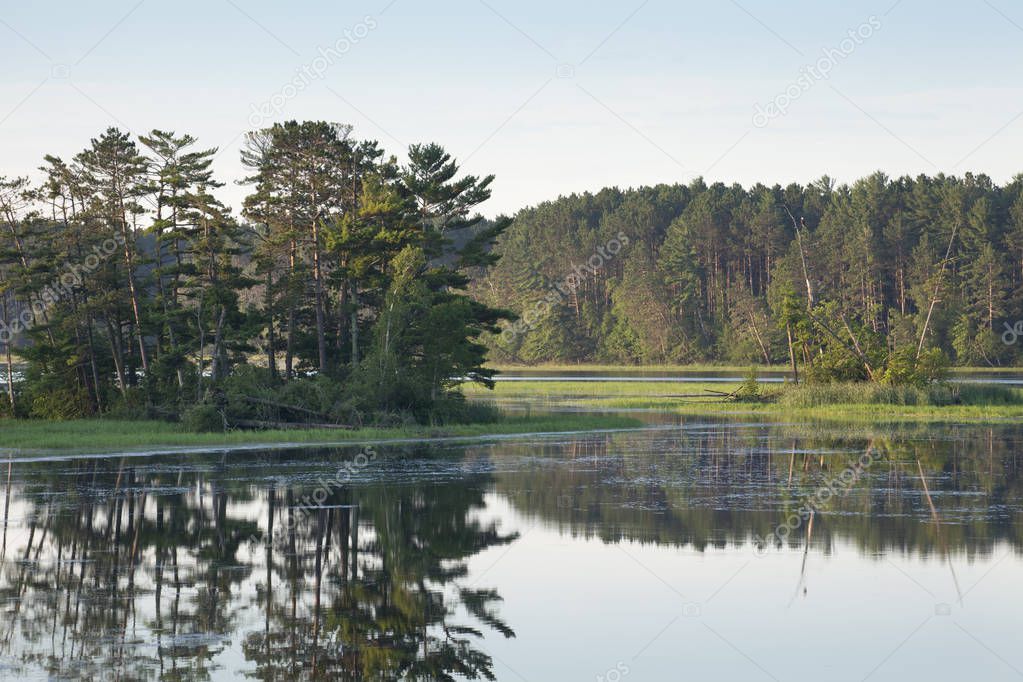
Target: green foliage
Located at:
point(346, 281)
point(749, 390)
point(834, 364)
point(803, 273)
point(253, 394)
point(58, 404)
point(203, 419)
point(906, 369)
point(132, 405)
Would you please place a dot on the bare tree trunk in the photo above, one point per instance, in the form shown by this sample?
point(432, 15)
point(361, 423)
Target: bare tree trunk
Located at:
point(760, 341)
point(902, 290)
point(202, 355)
point(792, 353)
point(321, 334)
point(163, 290)
point(129, 263)
point(92, 364)
point(290, 349)
point(355, 327)
point(115, 346)
point(271, 337)
point(218, 343)
point(937, 292)
point(859, 351)
point(8, 358)
point(802, 258)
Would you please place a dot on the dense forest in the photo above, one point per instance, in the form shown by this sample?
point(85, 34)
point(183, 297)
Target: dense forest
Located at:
point(882, 279)
point(337, 296)
point(354, 288)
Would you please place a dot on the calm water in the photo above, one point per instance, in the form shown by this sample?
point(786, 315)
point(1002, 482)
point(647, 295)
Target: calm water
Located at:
point(704, 550)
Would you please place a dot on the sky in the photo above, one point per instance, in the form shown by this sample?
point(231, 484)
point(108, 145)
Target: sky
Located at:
point(552, 97)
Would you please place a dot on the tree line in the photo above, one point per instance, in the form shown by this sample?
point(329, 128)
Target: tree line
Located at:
point(886, 279)
point(337, 294)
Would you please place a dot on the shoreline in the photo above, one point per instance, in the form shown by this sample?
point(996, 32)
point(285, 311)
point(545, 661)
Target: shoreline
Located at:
point(25, 439)
point(850, 403)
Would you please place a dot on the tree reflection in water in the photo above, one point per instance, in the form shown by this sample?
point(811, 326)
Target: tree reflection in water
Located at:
point(127, 572)
point(724, 487)
point(200, 566)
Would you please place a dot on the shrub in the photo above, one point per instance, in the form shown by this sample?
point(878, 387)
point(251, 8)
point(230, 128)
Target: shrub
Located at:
point(836, 364)
point(203, 419)
point(6, 411)
point(904, 368)
point(60, 404)
point(749, 391)
point(251, 393)
point(130, 407)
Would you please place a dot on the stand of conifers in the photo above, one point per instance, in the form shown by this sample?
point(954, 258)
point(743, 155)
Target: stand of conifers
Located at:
point(337, 294)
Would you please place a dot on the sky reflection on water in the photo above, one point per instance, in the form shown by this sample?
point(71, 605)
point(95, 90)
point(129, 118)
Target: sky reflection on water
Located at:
point(633, 556)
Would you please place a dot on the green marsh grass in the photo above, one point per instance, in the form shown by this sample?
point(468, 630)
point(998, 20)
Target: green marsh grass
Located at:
point(835, 402)
point(95, 435)
point(634, 369)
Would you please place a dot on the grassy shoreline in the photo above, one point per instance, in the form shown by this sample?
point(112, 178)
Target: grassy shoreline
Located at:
point(93, 435)
point(637, 369)
point(850, 403)
point(696, 367)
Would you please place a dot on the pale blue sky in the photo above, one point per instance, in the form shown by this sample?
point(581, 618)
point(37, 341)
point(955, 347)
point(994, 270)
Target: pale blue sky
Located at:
point(659, 91)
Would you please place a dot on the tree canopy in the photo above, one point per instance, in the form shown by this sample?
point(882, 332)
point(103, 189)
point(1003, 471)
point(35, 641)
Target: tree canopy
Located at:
point(878, 279)
point(337, 295)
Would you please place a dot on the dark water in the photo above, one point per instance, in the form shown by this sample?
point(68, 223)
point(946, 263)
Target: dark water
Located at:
point(711, 551)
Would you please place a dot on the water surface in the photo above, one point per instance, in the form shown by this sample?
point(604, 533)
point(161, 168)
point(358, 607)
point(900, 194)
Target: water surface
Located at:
point(708, 549)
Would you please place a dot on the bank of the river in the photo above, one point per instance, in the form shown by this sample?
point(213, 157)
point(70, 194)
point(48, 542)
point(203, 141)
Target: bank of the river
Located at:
point(95, 435)
point(550, 368)
point(853, 403)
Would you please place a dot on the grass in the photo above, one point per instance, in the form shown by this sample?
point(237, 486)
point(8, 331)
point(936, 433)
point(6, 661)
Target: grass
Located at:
point(986, 370)
point(636, 369)
point(582, 389)
point(863, 403)
point(852, 403)
point(697, 367)
point(94, 435)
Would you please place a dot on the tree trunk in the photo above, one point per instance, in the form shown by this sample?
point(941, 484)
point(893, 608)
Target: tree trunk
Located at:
point(162, 289)
point(792, 353)
point(760, 341)
point(271, 341)
point(937, 291)
point(8, 358)
point(92, 363)
point(354, 327)
point(129, 264)
point(217, 365)
point(289, 351)
point(118, 354)
point(321, 334)
point(802, 258)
